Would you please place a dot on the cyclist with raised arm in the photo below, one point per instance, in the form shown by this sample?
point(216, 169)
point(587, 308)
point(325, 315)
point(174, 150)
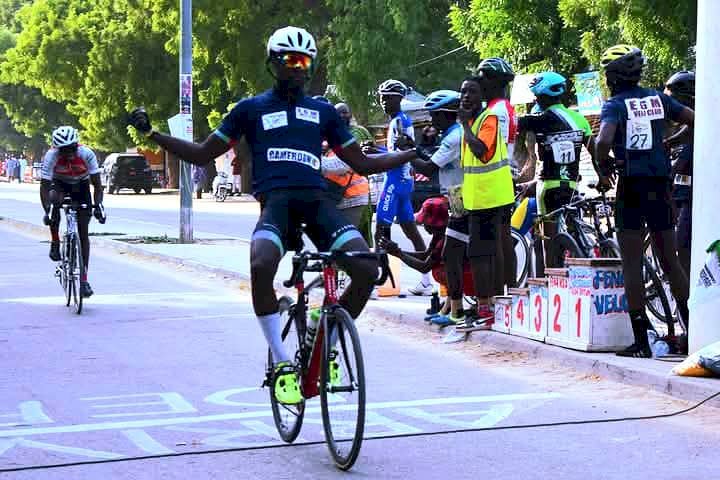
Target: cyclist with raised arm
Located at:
point(443, 106)
point(69, 168)
point(560, 134)
point(632, 123)
point(395, 202)
point(285, 129)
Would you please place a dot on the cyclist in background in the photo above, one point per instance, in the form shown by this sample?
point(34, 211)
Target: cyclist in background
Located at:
point(497, 75)
point(284, 129)
point(69, 168)
point(395, 202)
point(443, 106)
point(632, 123)
point(560, 134)
point(681, 87)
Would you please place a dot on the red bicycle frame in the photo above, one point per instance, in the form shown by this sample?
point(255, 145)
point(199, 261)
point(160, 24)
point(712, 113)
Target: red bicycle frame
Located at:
point(310, 378)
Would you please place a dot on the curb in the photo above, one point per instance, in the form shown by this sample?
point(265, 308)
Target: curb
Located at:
point(604, 365)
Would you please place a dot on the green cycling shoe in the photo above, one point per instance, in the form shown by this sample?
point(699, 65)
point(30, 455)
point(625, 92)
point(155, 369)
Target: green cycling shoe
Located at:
point(334, 369)
point(286, 386)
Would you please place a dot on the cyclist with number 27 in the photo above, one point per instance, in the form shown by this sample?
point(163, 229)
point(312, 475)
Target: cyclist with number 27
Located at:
point(285, 129)
point(68, 169)
point(632, 124)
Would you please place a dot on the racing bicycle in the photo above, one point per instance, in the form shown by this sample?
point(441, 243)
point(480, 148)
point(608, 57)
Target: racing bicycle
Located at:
point(330, 362)
point(70, 267)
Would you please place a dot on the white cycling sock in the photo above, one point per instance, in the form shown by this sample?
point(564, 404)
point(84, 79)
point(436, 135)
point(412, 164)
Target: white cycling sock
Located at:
point(272, 329)
point(426, 279)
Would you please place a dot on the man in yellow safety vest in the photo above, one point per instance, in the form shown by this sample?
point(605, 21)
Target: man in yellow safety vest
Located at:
point(487, 191)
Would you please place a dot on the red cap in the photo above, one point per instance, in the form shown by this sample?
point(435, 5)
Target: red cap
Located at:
point(434, 212)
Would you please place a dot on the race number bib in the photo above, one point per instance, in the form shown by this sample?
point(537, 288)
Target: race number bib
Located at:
point(639, 135)
point(640, 113)
point(457, 209)
point(563, 152)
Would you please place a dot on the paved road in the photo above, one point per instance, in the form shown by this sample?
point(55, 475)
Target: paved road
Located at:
point(130, 213)
point(164, 362)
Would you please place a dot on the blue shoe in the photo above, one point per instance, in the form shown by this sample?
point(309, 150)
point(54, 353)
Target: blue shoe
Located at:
point(442, 320)
point(429, 318)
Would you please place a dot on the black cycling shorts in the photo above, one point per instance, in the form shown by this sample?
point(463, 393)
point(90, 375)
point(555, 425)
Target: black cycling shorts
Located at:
point(643, 201)
point(282, 212)
point(554, 198)
point(79, 193)
point(485, 228)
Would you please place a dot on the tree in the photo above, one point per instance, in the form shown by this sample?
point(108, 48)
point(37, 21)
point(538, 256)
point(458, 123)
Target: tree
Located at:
point(374, 40)
point(665, 31)
point(530, 34)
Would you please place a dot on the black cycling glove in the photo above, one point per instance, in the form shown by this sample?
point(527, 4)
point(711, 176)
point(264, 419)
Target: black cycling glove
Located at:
point(99, 213)
point(140, 120)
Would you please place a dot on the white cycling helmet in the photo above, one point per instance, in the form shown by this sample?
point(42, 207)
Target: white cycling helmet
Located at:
point(65, 136)
point(442, 101)
point(392, 87)
point(292, 39)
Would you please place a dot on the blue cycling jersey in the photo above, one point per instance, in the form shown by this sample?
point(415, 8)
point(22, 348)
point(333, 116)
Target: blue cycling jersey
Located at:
point(285, 138)
point(641, 116)
point(399, 125)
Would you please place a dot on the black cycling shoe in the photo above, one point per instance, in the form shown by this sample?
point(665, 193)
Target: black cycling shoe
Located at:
point(85, 290)
point(55, 251)
point(636, 351)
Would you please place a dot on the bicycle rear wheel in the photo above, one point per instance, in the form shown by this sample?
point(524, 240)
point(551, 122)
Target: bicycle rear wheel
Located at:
point(562, 246)
point(342, 389)
point(656, 296)
point(288, 418)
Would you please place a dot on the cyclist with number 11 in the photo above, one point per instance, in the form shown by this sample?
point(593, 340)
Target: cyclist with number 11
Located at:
point(285, 129)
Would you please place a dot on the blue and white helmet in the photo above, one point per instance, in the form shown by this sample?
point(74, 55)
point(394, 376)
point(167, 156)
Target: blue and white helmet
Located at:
point(392, 87)
point(292, 39)
point(442, 101)
point(65, 136)
point(548, 83)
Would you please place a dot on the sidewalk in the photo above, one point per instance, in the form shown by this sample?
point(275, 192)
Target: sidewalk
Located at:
point(229, 258)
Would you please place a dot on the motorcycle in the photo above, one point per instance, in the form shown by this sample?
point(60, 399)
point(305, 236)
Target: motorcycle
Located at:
point(222, 186)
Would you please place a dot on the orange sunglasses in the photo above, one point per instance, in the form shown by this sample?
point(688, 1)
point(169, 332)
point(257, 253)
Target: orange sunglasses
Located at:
point(295, 60)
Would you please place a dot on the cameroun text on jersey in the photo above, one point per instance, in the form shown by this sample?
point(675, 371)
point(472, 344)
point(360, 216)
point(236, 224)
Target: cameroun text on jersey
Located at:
point(292, 155)
point(646, 108)
point(275, 120)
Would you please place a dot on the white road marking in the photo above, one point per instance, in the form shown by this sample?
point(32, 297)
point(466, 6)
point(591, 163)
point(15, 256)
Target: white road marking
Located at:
point(146, 443)
point(6, 445)
point(31, 413)
point(156, 298)
point(173, 400)
point(488, 418)
point(162, 422)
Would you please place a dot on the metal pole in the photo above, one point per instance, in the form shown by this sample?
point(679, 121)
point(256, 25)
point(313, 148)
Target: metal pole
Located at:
point(704, 324)
point(186, 220)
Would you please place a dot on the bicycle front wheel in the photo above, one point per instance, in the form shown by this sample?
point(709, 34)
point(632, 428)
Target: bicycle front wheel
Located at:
point(656, 297)
point(342, 389)
point(75, 268)
point(288, 418)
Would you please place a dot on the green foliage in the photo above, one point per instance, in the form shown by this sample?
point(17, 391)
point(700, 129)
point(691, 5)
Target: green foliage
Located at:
point(530, 34)
point(664, 30)
point(374, 40)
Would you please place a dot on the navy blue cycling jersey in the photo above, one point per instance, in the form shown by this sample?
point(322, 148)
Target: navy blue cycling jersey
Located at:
point(641, 116)
point(285, 138)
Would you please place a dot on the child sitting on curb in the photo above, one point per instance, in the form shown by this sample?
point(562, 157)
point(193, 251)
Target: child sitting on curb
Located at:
point(433, 216)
